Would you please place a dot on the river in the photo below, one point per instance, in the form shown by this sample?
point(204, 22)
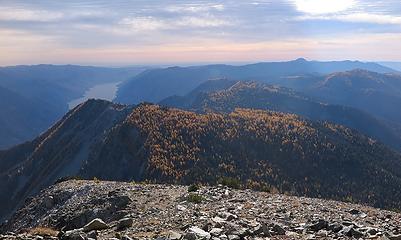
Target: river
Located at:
point(106, 91)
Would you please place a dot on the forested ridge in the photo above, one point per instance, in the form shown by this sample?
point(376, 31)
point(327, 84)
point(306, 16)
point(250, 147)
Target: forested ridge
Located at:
point(267, 150)
point(258, 149)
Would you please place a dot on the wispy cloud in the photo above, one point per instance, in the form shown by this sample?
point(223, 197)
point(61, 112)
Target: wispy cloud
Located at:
point(370, 18)
point(195, 8)
point(186, 22)
point(356, 18)
point(323, 6)
point(18, 14)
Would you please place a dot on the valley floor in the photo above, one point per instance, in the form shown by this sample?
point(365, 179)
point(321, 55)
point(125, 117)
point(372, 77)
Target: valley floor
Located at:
point(142, 211)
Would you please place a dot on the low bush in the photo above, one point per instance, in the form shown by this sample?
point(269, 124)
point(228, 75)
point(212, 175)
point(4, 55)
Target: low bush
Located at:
point(230, 182)
point(195, 198)
point(193, 188)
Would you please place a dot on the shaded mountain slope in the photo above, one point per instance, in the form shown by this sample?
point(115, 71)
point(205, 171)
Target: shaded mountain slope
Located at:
point(155, 85)
point(32, 98)
point(264, 150)
point(18, 114)
point(226, 95)
point(61, 151)
point(375, 93)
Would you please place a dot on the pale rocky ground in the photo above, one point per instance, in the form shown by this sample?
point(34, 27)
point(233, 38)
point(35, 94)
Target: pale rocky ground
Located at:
point(141, 211)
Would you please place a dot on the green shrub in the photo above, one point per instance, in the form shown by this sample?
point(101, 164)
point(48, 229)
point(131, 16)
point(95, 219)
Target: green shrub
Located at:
point(193, 188)
point(230, 182)
point(195, 198)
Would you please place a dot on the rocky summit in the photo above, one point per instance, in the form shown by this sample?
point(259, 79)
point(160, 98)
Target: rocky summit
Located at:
point(96, 209)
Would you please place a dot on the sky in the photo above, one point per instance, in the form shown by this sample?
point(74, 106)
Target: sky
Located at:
point(137, 32)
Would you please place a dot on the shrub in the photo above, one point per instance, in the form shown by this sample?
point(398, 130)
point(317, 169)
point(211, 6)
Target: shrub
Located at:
point(230, 182)
point(193, 188)
point(96, 180)
point(195, 198)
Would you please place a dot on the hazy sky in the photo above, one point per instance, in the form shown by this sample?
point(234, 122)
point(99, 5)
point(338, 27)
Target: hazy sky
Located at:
point(121, 32)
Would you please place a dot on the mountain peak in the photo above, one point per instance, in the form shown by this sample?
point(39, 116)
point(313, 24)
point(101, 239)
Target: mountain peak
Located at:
point(300, 60)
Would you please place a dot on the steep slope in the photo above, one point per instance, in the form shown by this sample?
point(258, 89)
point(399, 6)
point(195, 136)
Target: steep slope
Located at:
point(32, 98)
point(262, 149)
point(155, 85)
point(61, 151)
point(226, 95)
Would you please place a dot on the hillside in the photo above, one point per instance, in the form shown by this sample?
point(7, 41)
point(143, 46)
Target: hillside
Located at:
point(262, 149)
point(155, 85)
point(22, 118)
point(33, 98)
point(61, 151)
point(226, 95)
point(142, 211)
point(375, 93)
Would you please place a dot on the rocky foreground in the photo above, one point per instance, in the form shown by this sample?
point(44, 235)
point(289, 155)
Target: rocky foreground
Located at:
point(77, 210)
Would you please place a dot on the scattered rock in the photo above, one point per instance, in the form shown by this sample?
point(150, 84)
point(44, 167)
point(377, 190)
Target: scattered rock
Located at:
point(354, 211)
point(172, 235)
point(216, 232)
point(126, 238)
point(278, 230)
point(394, 236)
point(49, 202)
point(139, 211)
point(95, 224)
point(181, 208)
point(125, 223)
point(199, 233)
point(319, 225)
point(75, 234)
point(351, 232)
point(335, 227)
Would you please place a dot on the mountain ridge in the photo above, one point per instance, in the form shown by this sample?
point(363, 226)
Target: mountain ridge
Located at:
point(262, 149)
point(226, 95)
point(155, 85)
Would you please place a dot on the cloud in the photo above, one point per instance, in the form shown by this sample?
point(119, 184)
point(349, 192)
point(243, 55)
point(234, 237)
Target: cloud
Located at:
point(370, 18)
point(356, 18)
point(202, 22)
point(144, 23)
point(195, 8)
point(20, 14)
point(187, 22)
point(323, 6)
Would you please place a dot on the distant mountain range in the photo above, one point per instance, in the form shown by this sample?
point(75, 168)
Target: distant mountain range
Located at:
point(157, 84)
point(306, 128)
point(394, 65)
point(375, 93)
point(262, 149)
point(35, 97)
